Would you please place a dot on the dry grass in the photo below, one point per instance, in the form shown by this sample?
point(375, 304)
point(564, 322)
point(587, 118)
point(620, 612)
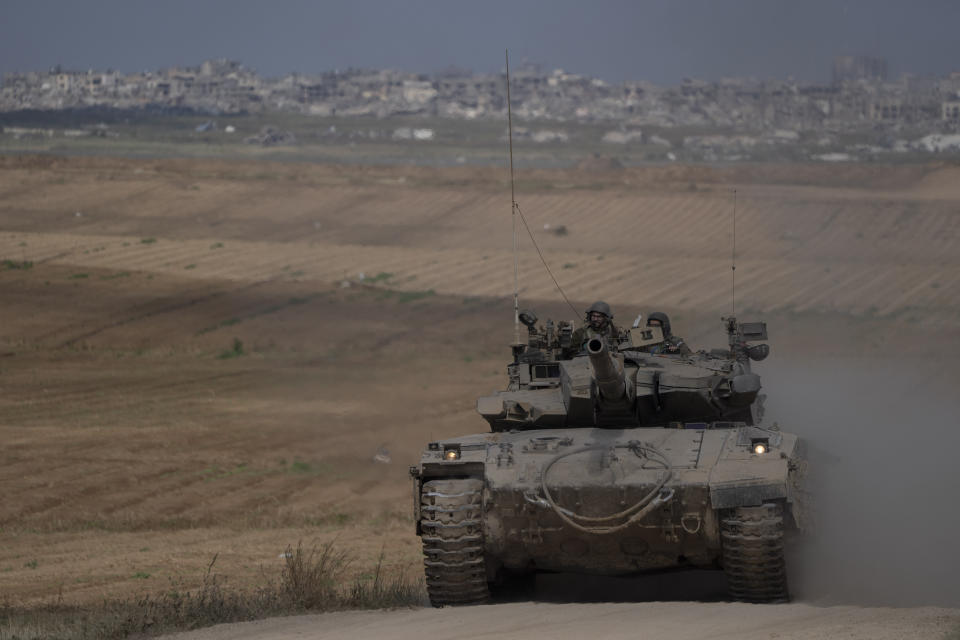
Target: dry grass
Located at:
point(312, 580)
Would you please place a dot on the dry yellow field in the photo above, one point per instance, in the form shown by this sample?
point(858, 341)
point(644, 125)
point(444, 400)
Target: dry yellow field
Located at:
point(184, 373)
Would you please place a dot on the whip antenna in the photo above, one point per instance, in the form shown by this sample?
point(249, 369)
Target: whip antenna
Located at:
point(733, 261)
point(513, 215)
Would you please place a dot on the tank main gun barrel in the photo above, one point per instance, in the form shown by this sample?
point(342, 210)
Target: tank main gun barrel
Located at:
point(606, 369)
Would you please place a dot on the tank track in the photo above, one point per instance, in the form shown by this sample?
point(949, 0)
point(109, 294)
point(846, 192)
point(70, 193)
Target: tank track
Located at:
point(752, 540)
point(451, 522)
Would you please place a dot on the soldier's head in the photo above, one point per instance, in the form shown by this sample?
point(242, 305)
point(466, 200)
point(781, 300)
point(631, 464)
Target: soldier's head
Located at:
point(660, 319)
point(599, 315)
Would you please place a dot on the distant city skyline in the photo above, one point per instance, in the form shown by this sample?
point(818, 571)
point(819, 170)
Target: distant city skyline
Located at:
point(657, 41)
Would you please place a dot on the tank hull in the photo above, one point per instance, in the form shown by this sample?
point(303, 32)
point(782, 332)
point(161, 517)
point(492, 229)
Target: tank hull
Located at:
point(615, 501)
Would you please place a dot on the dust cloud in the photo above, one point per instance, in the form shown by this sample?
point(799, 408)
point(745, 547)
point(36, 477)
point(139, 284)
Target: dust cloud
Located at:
point(883, 442)
point(884, 448)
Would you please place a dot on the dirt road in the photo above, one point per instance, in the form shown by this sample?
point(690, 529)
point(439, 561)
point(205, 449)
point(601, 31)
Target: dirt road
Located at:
point(637, 621)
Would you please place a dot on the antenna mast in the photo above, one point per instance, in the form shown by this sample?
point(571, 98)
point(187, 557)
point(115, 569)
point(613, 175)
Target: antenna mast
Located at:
point(513, 214)
point(733, 261)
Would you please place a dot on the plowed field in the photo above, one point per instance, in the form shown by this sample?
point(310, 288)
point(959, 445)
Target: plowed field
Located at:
point(203, 358)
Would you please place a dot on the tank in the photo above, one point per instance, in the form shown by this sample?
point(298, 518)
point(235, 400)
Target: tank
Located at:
point(605, 458)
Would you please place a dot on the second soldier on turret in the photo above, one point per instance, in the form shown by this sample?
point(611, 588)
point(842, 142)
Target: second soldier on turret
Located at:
point(671, 344)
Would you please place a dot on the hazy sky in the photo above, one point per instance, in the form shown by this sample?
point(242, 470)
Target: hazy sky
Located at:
point(656, 40)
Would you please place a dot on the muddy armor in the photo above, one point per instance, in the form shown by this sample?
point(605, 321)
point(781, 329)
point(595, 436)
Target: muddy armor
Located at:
point(613, 462)
point(671, 345)
point(594, 327)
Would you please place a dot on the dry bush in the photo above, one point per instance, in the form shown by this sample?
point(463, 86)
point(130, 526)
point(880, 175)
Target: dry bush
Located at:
point(310, 578)
point(399, 591)
point(311, 581)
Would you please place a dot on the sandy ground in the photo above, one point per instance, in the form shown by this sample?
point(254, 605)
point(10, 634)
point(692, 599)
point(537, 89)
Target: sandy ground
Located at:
point(140, 441)
point(641, 621)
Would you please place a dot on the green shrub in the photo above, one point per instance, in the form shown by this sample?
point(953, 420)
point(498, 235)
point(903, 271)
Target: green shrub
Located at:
point(233, 352)
point(21, 265)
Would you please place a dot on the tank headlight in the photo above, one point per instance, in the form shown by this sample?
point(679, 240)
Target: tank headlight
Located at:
point(760, 448)
point(451, 454)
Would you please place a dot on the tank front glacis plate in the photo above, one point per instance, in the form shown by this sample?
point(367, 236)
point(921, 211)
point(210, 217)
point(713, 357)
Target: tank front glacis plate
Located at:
point(595, 473)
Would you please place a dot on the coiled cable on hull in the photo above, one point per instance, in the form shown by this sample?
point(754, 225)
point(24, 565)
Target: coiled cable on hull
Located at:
point(598, 524)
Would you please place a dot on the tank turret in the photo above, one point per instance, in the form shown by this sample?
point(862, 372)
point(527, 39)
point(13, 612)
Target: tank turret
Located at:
point(622, 384)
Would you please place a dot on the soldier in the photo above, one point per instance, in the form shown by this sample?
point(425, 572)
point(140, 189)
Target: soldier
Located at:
point(671, 344)
point(598, 321)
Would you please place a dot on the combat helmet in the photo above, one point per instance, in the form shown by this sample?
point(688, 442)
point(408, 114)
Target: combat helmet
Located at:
point(600, 307)
point(664, 322)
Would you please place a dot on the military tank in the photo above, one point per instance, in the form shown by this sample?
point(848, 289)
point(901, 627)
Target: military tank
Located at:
point(604, 458)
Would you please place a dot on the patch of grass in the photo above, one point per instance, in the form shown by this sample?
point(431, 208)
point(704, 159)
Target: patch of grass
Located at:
point(214, 473)
point(217, 245)
point(16, 265)
point(190, 266)
point(147, 240)
point(114, 276)
point(378, 593)
point(569, 265)
point(211, 604)
point(341, 518)
point(310, 578)
point(31, 564)
point(383, 276)
point(235, 351)
point(403, 297)
point(302, 467)
point(79, 276)
point(141, 575)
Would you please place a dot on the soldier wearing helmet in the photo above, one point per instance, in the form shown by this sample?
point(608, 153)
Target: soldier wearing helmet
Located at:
point(671, 344)
point(598, 322)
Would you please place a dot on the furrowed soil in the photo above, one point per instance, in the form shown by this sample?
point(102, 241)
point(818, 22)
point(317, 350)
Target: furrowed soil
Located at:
point(206, 359)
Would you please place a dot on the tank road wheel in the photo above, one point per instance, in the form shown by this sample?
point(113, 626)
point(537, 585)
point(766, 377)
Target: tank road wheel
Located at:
point(451, 522)
point(752, 540)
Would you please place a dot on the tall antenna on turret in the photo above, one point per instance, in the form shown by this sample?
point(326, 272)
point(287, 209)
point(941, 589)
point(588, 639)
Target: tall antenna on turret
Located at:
point(513, 214)
point(733, 261)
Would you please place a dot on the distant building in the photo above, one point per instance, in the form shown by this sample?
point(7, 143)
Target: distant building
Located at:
point(950, 111)
point(854, 68)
